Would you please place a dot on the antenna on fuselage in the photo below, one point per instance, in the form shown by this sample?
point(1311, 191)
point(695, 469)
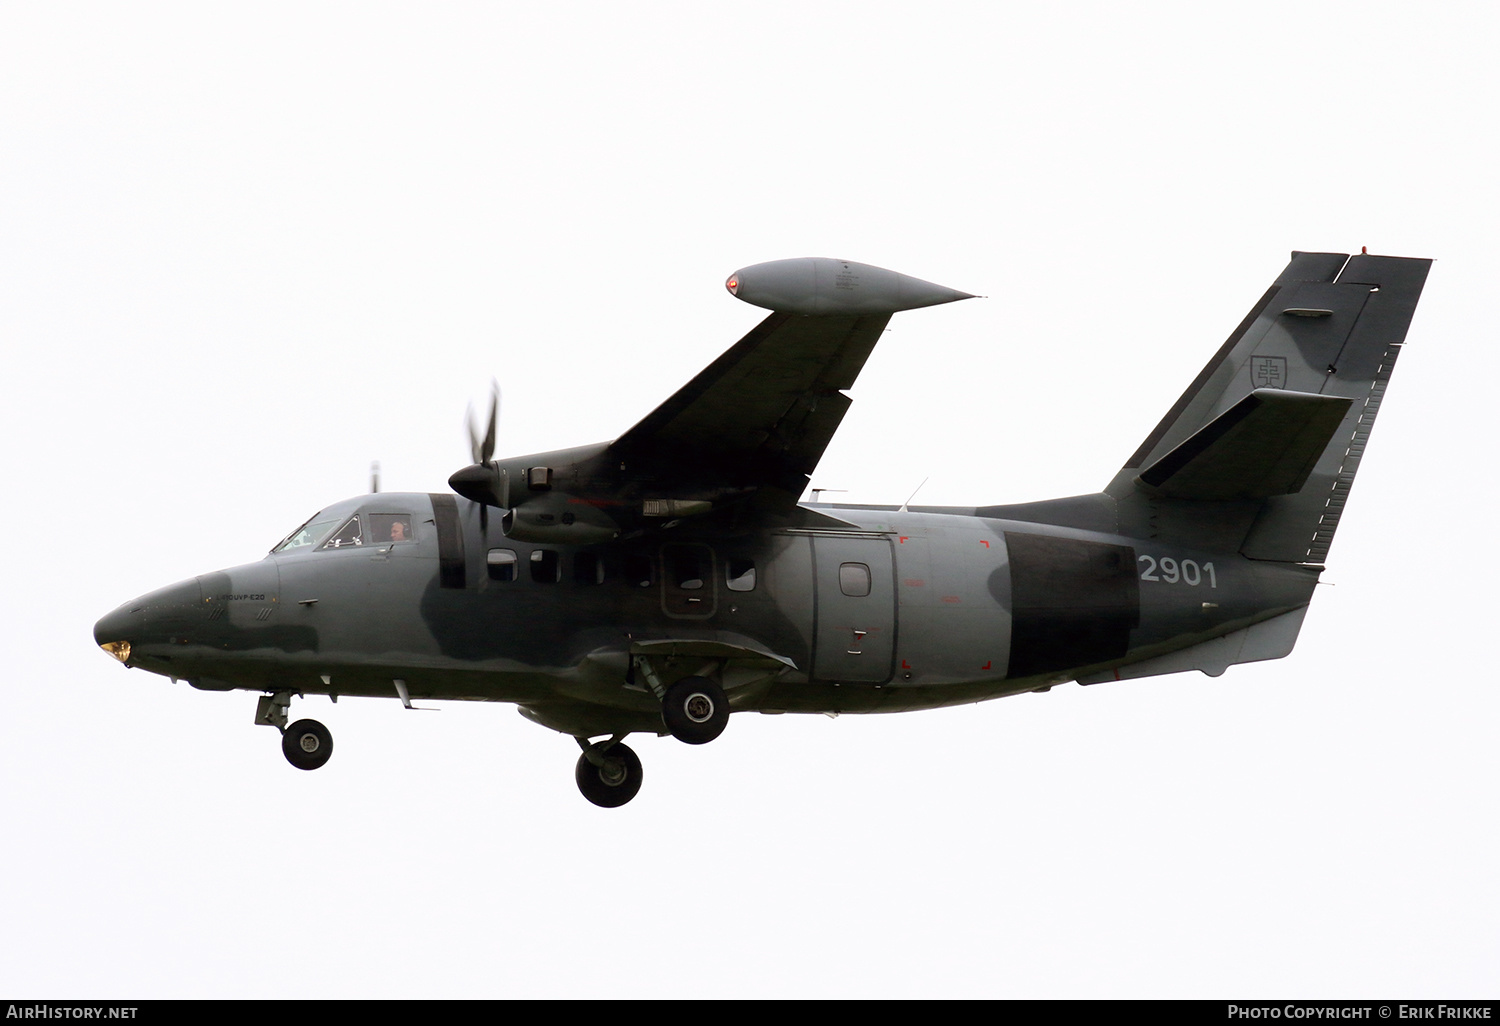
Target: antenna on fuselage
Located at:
point(374, 476)
point(912, 496)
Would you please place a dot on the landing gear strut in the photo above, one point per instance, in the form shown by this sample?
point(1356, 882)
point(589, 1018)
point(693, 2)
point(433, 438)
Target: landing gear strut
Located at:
point(307, 744)
point(608, 773)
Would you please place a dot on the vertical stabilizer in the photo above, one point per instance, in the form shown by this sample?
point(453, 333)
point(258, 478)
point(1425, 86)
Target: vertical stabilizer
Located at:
point(1260, 452)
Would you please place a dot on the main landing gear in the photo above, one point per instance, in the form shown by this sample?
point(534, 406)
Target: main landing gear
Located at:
point(695, 710)
point(608, 773)
point(307, 744)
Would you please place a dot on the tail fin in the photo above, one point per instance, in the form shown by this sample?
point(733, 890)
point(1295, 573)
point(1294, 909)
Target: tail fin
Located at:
point(1262, 448)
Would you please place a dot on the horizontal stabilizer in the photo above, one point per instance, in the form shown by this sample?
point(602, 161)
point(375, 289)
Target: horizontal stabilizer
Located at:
point(1266, 444)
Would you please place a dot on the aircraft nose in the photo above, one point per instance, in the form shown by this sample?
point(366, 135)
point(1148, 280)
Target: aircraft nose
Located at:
point(112, 627)
point(162, 616)
point(109, 634)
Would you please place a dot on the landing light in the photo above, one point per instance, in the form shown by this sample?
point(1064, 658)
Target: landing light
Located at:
point(119, 649)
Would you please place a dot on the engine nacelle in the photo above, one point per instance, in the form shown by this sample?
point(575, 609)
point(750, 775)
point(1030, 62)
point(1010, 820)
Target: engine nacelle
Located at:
point(822, 286)
point(558, 519)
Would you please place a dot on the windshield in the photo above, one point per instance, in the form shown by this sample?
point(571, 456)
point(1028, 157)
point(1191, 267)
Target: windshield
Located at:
point(346, 526)
point(308, 535)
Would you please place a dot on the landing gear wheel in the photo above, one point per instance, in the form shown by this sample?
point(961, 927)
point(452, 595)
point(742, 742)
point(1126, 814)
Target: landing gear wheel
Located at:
point(307, 744)
point(695, 710)
point(613, 784)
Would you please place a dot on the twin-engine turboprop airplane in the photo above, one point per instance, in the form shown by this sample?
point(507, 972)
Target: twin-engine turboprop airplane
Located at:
point(655, 583)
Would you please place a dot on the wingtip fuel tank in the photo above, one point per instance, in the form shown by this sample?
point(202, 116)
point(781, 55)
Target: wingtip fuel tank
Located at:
point(824, 286)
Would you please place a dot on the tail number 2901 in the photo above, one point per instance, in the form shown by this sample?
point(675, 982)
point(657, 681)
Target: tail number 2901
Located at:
point(1167, 570)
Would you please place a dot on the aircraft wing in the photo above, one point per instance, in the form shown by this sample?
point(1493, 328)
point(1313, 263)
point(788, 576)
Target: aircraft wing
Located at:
point(763, 413)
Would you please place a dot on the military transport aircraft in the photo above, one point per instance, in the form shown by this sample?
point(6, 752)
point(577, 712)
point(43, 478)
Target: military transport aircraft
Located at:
point(657, 582)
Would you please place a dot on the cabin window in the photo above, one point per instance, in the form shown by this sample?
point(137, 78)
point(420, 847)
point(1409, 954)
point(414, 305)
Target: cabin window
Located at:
point(502, 564)
point(740, 575)
point(347, 536)
point(688, 569)
point(638, 571)
point(546, 567)
point(588, 568)
point(688, 572)
point(854, 579)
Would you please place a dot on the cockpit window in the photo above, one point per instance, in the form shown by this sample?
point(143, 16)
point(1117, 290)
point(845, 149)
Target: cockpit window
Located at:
point(390, 527)
point(346, 531)
point(306, 536)
point(346, 536)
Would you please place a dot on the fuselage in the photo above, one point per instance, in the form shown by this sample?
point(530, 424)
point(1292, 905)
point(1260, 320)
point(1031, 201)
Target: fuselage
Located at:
point(883, 610)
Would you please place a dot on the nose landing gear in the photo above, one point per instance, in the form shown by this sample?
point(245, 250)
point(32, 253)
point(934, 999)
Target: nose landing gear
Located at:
point(307, 744)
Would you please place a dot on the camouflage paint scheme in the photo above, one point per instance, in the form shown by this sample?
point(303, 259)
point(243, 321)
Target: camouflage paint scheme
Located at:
point(606, 573)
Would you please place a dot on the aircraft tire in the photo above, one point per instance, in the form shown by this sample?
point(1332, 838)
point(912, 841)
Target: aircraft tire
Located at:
point(695, 710)
point(614, 784)
point(307, 744)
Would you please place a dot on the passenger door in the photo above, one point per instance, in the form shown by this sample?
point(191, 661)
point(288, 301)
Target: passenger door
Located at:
point(856, 609)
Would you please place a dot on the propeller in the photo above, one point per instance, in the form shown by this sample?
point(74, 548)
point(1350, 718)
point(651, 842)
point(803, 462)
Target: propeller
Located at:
point(483, 482)
point(483, 450)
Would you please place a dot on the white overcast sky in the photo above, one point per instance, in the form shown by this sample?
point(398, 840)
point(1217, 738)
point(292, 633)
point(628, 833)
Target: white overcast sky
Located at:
point(247, 249)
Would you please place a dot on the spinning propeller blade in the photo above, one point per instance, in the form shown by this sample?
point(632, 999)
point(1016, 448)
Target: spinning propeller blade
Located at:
point(483, 450)
point(483, 482)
